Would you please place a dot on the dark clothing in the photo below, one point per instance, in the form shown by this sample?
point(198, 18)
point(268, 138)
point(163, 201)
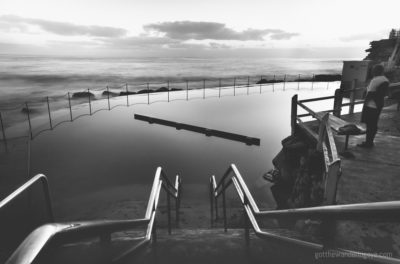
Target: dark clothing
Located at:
point(370, 115)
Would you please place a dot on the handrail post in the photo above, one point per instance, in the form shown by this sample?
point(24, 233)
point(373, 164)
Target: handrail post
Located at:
point(2, 129)
point(234, 86)
point(168, 90)
point(127, 94)
point(337, 103)
point(108, 98)
point(294, 114)
point(70, 107)
point(187, 90)
point(48, 109)
point(322, 131)
point(90, 103)
point(246, 221)
point(29, 120)
point(148, 94)
point(352, 96)
point(169, 212)
point(224, 205)
point(211, 204)
point(46, 189)
point(284, 82)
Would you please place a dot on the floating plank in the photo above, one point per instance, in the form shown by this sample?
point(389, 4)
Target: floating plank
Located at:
point(208, 132)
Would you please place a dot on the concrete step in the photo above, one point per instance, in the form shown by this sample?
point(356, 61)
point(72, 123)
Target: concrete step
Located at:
point(188, 246)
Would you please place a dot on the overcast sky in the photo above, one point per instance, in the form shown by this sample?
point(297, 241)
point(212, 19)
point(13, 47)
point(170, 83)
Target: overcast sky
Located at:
point(265, 28)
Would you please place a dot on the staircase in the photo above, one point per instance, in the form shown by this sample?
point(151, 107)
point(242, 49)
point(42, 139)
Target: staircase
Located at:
point(154, 240)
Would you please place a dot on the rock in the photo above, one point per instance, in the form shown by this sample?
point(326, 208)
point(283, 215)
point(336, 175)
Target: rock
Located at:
point(108, 93)
point(82, 94)
point(262, 81)
point(126, 93)
point(175, 89)
point(29, 110)
point(162, 89)
point(144, 91)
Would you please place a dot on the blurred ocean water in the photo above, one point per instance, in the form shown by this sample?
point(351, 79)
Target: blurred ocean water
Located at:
point(30, 78)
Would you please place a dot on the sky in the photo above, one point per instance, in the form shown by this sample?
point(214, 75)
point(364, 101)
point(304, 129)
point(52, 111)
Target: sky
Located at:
point(197, 28)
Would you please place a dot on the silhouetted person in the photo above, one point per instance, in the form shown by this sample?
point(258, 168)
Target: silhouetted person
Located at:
point(373, 104)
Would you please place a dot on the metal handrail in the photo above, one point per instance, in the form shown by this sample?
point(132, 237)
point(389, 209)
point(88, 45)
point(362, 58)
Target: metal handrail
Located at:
point(330, 212)
point(25, 187)
point(30, 248)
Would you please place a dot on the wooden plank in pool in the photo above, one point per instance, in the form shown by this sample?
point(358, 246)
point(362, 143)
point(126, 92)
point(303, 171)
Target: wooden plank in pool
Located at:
point(208, 132)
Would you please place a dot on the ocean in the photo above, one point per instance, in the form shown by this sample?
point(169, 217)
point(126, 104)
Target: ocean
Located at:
point(31, 78)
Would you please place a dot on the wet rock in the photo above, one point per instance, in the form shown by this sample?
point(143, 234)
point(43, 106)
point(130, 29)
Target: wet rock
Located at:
point(82, 95)
point(162, 89)
point(144, 91)
point(126, 93)
point(108, 93)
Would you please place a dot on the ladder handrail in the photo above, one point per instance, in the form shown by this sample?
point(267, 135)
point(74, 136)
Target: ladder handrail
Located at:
point(330, 212)
point(30, 248)
point(25, 187)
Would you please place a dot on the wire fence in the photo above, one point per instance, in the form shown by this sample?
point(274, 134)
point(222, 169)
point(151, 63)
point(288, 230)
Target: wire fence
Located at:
point(37, 116)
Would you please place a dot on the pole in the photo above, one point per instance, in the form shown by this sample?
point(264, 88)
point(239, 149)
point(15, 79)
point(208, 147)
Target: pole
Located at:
point(29, 120)
point(148, 94)
point(294, 114)
point(187, 90)
point(284, 82)
point(90, 103)
point(224, 205)
point(2, 128)
point(248, 84)
point(298, 83)
point(70, 107)
point(168, 89)
point(48, 109)
point(273, 84)
point(127, 94)
point(108, 98)
point(234, 86)
point(169, 212)
point(312, 83)
point(204, 89)
point(219, 91)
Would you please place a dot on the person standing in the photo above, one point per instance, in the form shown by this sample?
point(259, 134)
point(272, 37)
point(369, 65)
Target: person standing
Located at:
point(373, 104)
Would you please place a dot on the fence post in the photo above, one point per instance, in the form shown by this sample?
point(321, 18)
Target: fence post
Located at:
point(29, 120)
point(204, 88)
point(168, 89)
point(187, 90)
point(70, 107)
point(294, 114)
point(284, 82)
point(248, 84)
point(312, 82)
point(337, 103)
point(273, 84)
point(298, 83)
point(2, 128)
point(127, 94)
point(352, 96)
point(148, 94)
point(260, 83)
point(219, 91)
point(90, 102)
point(48, 109)
point(234, 86)
point(108, 98)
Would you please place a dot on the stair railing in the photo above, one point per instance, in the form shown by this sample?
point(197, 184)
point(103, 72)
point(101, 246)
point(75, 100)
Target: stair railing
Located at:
point(41, 237)
point(328, 214)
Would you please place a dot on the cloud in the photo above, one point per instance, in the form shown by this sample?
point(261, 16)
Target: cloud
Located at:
point(364, 36)
point(59, 28)
point(185, 30)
